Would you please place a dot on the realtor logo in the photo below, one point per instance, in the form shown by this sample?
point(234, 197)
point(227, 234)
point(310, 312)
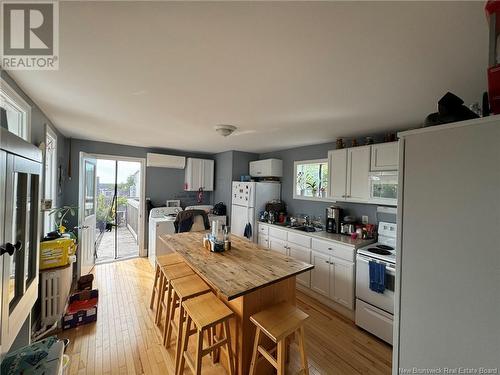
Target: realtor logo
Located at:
point(30, 35)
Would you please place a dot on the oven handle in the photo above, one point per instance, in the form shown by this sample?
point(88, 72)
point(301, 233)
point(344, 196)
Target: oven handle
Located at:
point(365, 259)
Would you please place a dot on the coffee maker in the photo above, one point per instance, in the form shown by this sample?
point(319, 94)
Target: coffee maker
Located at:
point(333, 215)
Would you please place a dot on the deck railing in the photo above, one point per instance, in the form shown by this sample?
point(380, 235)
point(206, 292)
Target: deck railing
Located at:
point(132, 216)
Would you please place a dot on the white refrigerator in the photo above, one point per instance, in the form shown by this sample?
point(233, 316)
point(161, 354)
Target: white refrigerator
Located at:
point(248, 200)
point(448, 272)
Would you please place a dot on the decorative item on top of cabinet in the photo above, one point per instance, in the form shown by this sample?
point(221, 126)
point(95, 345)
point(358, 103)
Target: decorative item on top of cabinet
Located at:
point(199, 174)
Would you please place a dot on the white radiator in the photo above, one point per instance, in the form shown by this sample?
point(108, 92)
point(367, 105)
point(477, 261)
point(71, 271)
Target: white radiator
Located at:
point(56, 285)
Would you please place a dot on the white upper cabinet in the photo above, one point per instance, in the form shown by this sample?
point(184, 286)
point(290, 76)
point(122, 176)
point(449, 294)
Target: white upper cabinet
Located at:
point(199, 174)
point(358, 167)
point(385, 157)
point(354, 171)
point(349, 168)
point(338, 173)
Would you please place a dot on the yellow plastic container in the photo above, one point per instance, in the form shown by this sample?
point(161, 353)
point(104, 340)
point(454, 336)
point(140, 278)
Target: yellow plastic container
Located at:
point(56, 253)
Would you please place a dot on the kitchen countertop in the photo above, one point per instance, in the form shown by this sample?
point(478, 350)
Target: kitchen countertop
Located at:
point(236, 272)
point(324, 235)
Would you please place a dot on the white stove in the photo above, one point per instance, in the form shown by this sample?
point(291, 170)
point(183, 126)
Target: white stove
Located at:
point(385, 248)
point(375, 308)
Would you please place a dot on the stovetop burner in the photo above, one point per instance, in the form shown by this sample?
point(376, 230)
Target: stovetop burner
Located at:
point(379, 250)
point(385, 247)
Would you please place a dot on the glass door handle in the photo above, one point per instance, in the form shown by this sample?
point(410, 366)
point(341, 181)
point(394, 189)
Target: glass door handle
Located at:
point(10, 248)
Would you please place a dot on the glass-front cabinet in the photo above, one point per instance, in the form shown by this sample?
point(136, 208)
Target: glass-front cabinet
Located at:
point(20, 175)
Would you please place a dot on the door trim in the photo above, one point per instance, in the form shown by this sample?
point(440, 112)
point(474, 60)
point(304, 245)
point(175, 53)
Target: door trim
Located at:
point(142, 199)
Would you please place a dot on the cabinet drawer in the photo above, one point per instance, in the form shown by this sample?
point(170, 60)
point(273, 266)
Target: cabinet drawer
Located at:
point(299, 239)
point(339, 251)
point(263, 229)
point(278, 233)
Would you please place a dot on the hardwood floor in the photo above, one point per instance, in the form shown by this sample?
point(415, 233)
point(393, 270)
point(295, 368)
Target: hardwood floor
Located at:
point(124, 340)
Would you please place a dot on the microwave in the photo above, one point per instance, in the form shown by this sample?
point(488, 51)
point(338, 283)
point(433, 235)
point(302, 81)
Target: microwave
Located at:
point(384, 187)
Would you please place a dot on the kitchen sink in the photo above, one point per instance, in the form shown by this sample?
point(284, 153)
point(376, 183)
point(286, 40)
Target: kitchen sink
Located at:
point(305, 228)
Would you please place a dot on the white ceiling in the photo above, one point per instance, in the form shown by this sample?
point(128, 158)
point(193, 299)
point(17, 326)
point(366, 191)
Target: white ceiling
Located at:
point(286, 73)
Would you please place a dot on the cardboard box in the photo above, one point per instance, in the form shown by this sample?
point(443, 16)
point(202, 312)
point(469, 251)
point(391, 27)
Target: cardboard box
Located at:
point(82, 309)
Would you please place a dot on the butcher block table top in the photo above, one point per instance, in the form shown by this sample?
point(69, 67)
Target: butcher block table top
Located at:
point(236, 272)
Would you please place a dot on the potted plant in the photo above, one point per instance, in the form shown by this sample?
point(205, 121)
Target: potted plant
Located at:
point(313, 185)
point(301, 183)
point(61, 218)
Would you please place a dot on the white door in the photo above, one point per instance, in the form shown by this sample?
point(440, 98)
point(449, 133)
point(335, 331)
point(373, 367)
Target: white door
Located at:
point(87, 215)
point(337, 168)
point(358, 167)
point(303, 254)
point(342, 282)
point(320, 275)
point(278, 245)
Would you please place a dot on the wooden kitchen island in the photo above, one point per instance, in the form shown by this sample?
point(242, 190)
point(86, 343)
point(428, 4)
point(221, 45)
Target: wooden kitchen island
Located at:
point(248, 278)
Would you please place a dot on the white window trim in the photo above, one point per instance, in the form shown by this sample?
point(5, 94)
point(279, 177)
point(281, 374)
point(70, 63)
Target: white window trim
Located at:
point(50, 132)
point(301, 197)
point(20, 103)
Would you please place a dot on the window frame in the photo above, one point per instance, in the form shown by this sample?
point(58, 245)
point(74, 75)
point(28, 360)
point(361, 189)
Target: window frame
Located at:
point(302, 197)
point(49, 220)
point(17, 101)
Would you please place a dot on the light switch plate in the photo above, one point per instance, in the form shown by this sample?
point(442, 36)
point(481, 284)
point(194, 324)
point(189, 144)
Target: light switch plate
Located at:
point(364, 219)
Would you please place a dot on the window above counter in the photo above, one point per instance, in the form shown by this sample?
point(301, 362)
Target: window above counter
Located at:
point(311, 180)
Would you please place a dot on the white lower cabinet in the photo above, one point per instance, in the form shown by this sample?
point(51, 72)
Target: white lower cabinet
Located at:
point(342, 282)
point(320, 275)
point(333, 278)
point(333, 275)
point(303, 254)
point(278, 245)
point(263, 241)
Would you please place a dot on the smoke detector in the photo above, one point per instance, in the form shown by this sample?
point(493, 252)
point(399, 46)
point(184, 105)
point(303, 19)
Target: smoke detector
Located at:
point(225, 130)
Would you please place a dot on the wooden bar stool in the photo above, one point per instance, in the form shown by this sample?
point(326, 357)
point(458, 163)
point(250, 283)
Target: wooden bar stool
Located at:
point(180, 291)
point(162, 261)
point(167, 274)
point(278, 322)
point(205, 312)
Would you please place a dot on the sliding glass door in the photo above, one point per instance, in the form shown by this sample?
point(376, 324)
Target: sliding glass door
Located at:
point(118, 209)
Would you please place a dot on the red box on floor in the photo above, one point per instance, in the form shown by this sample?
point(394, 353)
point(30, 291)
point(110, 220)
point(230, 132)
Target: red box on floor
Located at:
point(82, 309)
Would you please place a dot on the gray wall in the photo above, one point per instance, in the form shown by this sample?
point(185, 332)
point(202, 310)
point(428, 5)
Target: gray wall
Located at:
point(229, 166)
point(240, 163)
point(297, 206)
point(223, 177)
point(161, 183)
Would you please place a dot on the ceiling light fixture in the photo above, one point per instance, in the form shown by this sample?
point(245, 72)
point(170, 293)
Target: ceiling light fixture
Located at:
point(225, 130)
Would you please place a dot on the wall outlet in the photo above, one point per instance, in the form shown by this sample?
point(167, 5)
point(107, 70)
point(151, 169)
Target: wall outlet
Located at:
point(364, 219)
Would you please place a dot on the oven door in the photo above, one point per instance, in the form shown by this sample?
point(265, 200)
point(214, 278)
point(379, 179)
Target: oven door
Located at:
point(384, 187)
point(384, 301)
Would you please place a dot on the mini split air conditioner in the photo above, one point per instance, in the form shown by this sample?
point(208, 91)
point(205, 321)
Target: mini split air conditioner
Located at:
point(165, 161)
